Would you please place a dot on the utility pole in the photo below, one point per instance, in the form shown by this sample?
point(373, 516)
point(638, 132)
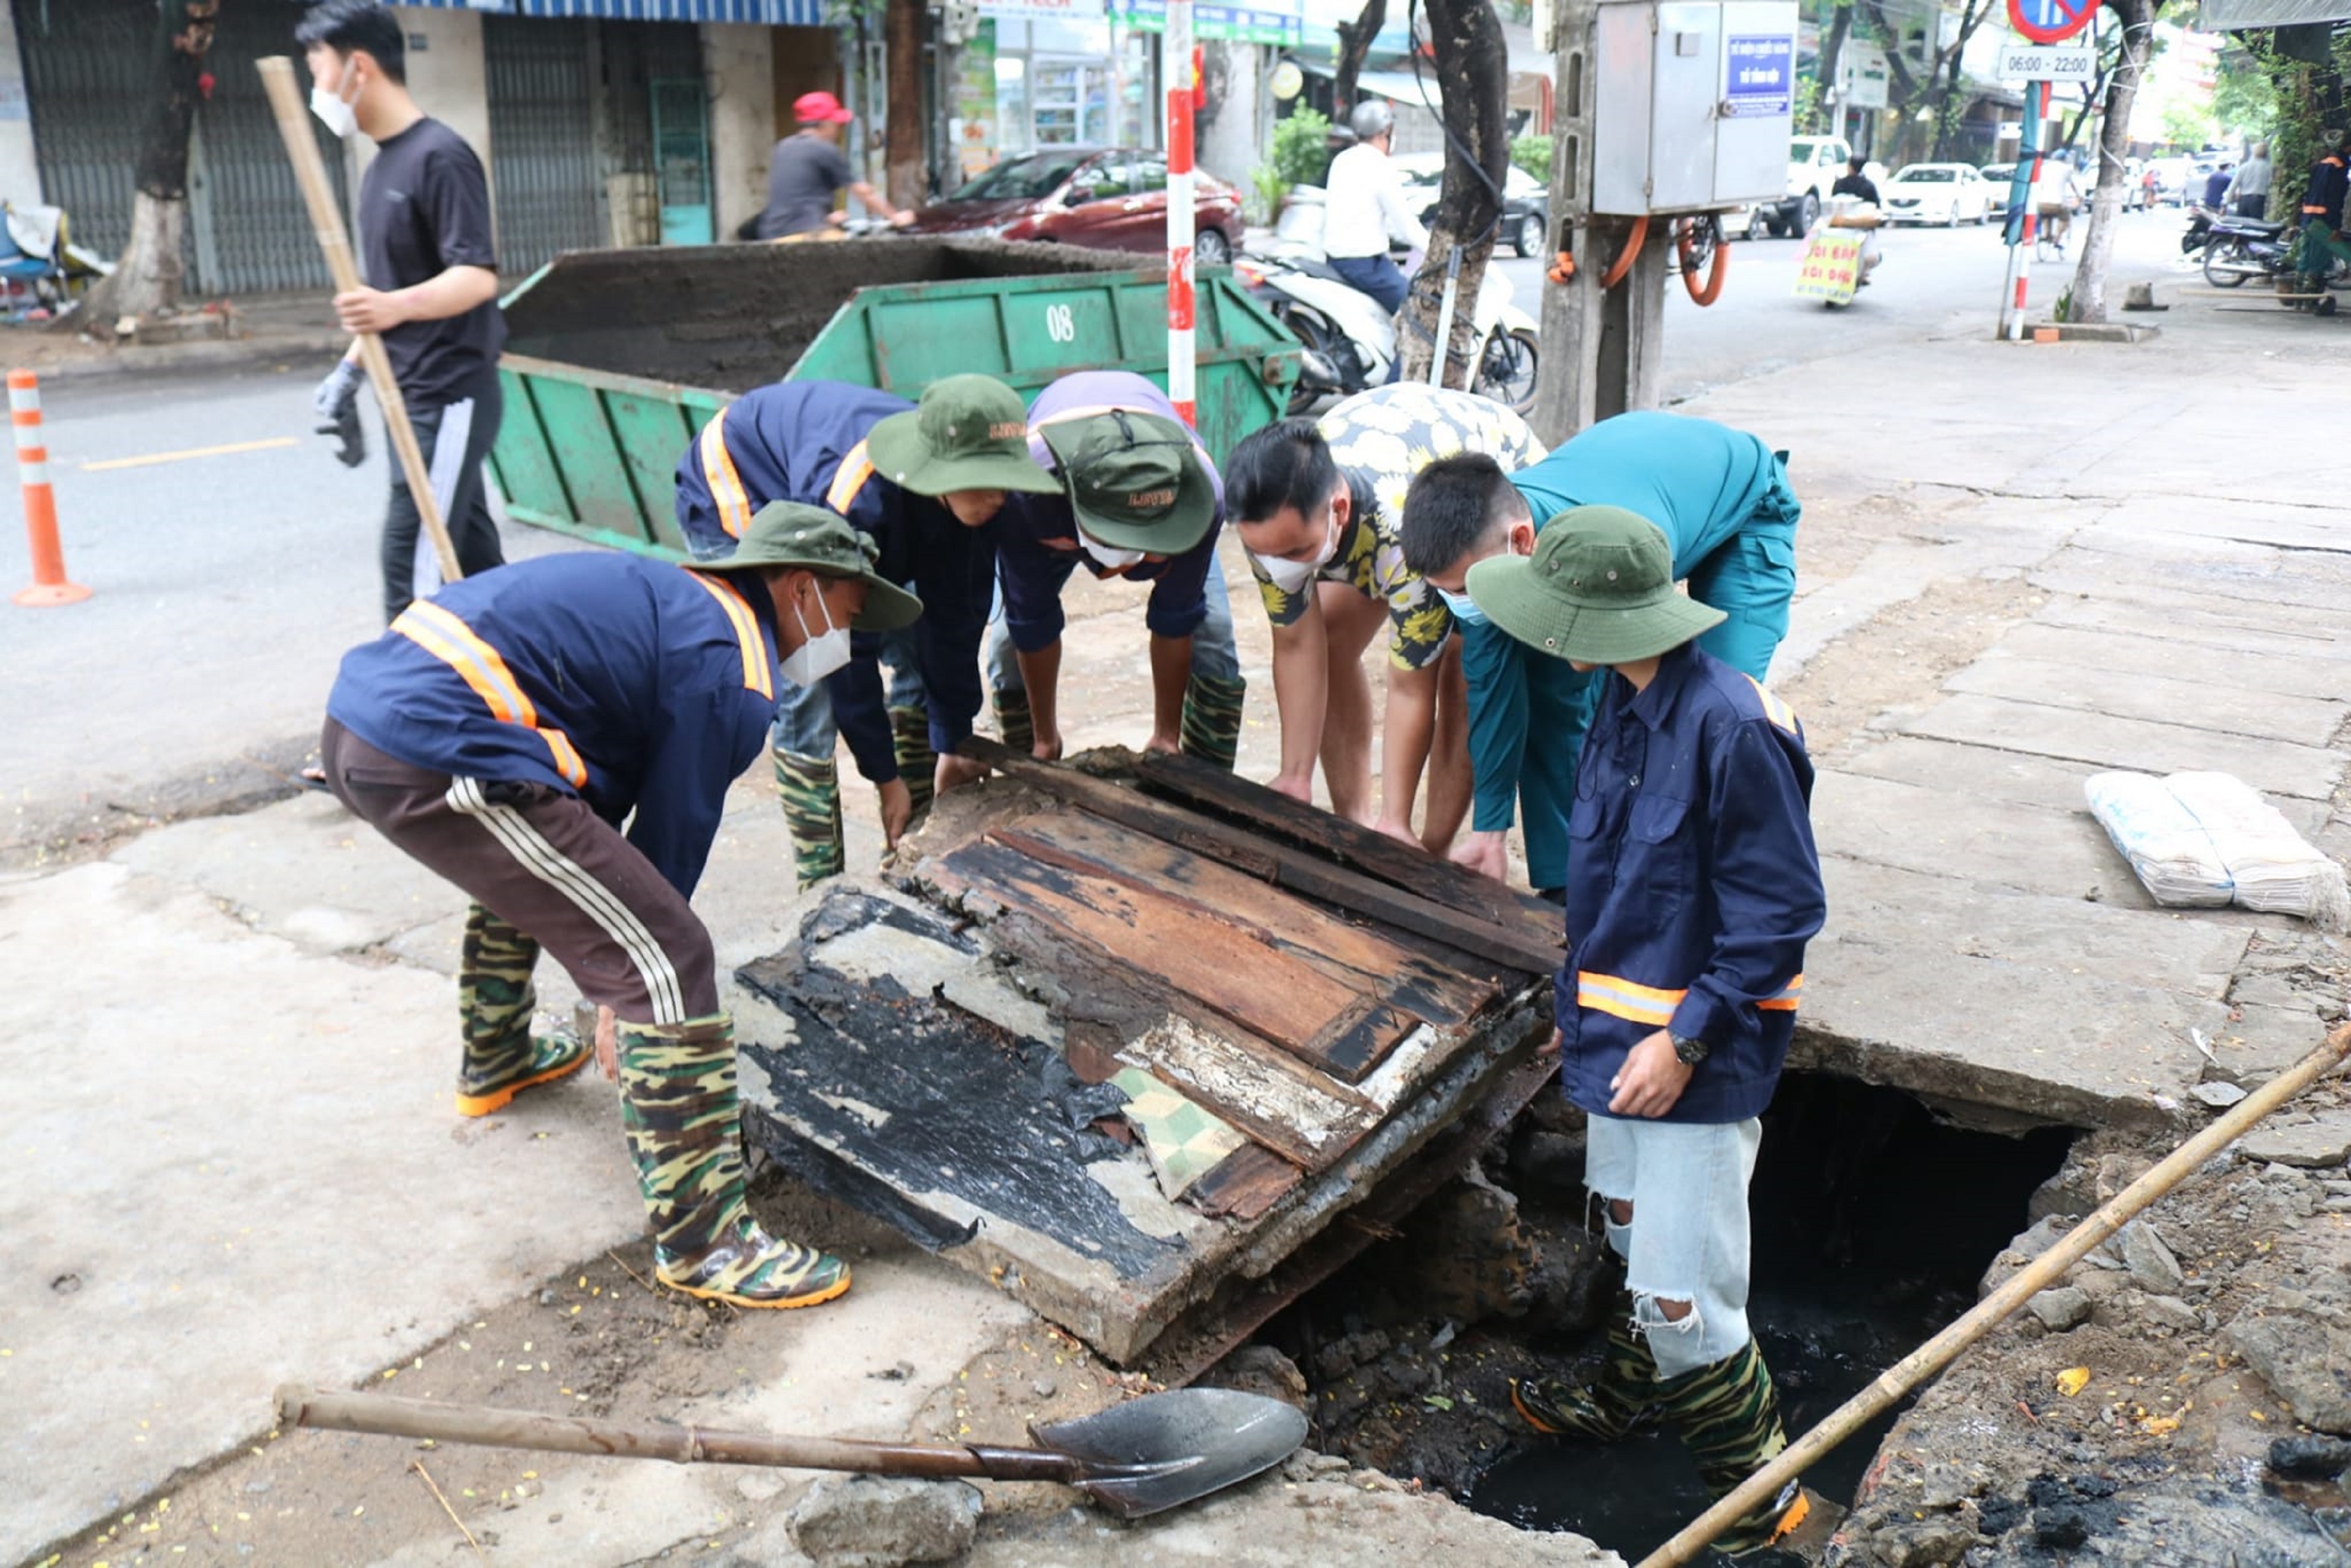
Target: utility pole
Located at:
point(1602, 346)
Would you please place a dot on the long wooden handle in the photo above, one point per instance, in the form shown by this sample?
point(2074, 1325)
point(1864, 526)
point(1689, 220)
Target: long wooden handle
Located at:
point(1940, 1351)
point(327, 219)
point(384, 1416)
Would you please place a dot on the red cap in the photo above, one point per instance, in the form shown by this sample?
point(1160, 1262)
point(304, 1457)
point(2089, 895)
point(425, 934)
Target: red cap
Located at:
point(820, 109)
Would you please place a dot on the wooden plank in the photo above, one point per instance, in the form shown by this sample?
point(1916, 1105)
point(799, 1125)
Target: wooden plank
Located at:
point(1514, 946)
point(1415, 869)
point(1219, 965)
point(1245, 1184)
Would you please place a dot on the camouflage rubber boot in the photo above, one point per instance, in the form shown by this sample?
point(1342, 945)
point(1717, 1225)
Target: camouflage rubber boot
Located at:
point(1608, 1410)
point(1012, 721)
point(683, 1116)
point(810, 788)
point(1728, 1415)
point(1212, 718)
point(918, 765)
point(495, 1002)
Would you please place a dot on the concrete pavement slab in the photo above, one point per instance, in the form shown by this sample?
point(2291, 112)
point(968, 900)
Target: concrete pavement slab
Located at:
point(2199, 705)
point(2060, 850)
point(2177, 658)
point(2157, 950)
point(2246, 520)
point(2276, 766)
point(2199, 619)
point(2231, 577)
point(237, 1164)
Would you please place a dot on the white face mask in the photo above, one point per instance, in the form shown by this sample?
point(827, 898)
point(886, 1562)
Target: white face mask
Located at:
point(329, 105)
point(1465, 609)
point(1103, 556)
point(817, 655)
point(1290, 576)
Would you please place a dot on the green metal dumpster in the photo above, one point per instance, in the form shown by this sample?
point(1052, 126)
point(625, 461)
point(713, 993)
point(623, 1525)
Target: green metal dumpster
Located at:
point(615, 359)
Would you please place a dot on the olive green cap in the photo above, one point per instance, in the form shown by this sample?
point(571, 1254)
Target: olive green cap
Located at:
point(968, 433)
point(788, 533)
point(1134, 480)
point(1599, 590)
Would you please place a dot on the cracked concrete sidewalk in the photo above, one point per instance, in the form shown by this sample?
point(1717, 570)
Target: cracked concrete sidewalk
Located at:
point(237, 1164)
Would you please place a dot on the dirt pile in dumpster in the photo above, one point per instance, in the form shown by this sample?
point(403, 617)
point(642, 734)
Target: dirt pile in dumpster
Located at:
point(731, 318)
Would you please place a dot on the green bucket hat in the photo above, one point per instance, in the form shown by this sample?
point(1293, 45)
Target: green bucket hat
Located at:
point(1134, 480)
point(786, 533)
point(968, 433)
point(1599, 590)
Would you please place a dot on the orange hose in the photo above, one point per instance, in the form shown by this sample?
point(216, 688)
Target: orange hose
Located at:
point(1715, 274)
point(1615, 274)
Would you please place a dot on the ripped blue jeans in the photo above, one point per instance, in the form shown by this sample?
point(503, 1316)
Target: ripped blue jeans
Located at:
point(1687, 1241)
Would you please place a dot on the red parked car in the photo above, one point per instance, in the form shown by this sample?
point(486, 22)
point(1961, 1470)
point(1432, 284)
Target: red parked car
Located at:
point(1103, 198)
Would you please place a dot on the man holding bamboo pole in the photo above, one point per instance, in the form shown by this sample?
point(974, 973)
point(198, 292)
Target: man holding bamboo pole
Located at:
point(431, 293)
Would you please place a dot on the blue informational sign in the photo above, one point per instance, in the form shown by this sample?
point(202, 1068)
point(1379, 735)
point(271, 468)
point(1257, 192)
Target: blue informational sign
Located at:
point(1762, 75)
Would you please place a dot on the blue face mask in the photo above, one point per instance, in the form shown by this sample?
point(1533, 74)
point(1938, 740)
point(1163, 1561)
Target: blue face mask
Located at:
point(1464, 609)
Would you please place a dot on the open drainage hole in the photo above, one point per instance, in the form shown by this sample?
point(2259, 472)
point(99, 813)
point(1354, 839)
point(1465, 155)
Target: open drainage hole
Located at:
point(1873, 1221)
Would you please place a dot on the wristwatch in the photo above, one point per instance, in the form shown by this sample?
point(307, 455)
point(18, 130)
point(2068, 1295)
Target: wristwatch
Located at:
point(1689, 1050)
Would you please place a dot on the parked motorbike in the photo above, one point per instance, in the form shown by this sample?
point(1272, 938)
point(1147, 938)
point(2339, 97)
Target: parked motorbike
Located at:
point(2237, 248)
point(1350, 342)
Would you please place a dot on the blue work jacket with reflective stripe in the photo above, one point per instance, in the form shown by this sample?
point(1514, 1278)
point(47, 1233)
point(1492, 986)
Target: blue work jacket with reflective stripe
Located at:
point(805, 442)
point(635, 685)
point(1692, 885)
point(1700, 482)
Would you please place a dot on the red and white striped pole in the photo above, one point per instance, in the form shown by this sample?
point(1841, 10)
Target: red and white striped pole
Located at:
point(1175, 73)
point(2038, 101)
point(49, 584)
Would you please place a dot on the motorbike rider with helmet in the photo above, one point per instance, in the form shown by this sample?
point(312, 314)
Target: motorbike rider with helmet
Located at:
point(1365, 209)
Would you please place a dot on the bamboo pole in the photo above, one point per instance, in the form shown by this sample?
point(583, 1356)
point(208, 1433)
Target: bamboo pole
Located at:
point(311, 173)
point(1945, 1347)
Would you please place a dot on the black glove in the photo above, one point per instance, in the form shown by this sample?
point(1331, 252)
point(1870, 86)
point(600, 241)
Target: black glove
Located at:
point(337, 401)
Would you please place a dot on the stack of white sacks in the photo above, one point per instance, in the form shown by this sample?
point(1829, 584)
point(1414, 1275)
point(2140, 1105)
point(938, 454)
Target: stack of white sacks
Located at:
point(2206, 839)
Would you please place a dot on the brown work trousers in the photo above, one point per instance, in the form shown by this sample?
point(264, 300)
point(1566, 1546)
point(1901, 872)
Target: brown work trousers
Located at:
point(544, 864)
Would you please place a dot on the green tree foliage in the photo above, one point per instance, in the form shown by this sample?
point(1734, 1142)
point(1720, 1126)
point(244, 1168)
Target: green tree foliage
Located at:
point(1299, 155)
point(1532, 153)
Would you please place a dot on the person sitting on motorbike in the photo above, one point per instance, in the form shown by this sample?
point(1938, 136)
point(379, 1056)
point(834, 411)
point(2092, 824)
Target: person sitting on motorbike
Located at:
point(1855, 182)
point(2322, 244)
point(1365, 209)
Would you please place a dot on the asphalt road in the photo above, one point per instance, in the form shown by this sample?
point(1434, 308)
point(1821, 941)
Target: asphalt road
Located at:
point(234, 558)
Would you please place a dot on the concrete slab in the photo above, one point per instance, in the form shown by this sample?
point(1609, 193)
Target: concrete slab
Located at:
point(236, 1165)
point(2057, 850)
point(2199, 705)
point(2180, 659)
point(2201, 620)
point(2158, 950)
point(2273, 766)
point(306, 870)
point(2246, 521)
point(2052, 1047)
point(1987, 773)
point(2232, 575)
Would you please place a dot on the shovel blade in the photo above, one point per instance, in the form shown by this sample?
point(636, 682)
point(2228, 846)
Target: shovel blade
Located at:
point(1163, 1449)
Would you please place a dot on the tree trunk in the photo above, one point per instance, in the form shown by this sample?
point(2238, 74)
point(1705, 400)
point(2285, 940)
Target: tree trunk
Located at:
point(1473, 73)
point(147, 275)
point(2089, 302)
point(1354, 48)
point(1832, 54)
point(902, 156)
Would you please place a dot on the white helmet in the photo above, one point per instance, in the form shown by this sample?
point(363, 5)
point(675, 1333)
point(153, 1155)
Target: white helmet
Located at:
point(1371, 118)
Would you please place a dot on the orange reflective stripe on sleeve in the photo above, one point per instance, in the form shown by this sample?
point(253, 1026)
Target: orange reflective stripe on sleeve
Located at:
point(725, 485)
point(855, 469)
point(757, 675)
point(480, 666)
point(1785, 999)
point(1622, 998)
point(1775, 710)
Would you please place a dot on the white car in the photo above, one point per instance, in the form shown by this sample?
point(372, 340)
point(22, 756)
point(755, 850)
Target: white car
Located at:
point(1946, 194)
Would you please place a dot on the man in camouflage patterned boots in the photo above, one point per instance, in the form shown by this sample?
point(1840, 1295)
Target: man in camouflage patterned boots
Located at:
point(921, 482)
point(502, 731)
point(1140, 502)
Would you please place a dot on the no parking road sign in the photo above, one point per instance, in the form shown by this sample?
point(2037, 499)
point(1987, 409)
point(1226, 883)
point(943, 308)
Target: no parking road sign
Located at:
point(2050, 21)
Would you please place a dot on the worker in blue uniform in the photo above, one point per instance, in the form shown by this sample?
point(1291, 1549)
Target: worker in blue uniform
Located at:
point(503, 731)
point(922, 482)
point(1723, 499)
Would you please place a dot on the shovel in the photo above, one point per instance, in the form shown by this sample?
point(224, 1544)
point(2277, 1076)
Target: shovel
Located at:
point(1135, 1458)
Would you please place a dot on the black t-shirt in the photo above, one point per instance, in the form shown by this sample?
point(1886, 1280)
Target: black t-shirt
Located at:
point(424, 207)
point(803, 175)
point(1855, 185)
